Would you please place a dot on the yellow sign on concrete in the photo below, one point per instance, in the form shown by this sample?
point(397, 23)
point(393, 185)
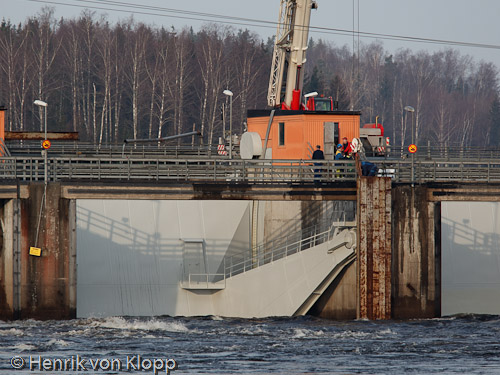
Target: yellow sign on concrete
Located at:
point(36, 251)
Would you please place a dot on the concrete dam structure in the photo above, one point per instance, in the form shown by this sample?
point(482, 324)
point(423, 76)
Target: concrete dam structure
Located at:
point(371, 249)
point(154, 234)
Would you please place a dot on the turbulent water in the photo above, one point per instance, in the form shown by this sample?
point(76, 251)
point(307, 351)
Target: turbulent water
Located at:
point(465, 344)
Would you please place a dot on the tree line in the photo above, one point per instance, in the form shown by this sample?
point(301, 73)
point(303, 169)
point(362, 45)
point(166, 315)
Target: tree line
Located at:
point(131, 80)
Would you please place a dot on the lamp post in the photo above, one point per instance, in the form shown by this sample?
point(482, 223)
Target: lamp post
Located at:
point(409, 108)
point(43, 104)
point(309, 95)
point(230, 94)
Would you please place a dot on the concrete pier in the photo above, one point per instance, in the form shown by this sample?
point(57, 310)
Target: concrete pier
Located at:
point(415, 253)
point(374, 248)
point(38, 287)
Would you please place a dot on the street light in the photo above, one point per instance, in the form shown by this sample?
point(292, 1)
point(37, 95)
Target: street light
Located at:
point(309, 95)
point(43, 104)
point(409, 108)
point(230, 94)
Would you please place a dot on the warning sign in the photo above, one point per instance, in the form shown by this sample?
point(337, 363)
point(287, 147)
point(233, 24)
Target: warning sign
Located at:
point(35, 251)
point(46, 144)
point(412, 148)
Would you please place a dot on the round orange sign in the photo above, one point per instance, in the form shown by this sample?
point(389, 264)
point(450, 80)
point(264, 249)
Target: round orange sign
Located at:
point(46, 144)
point(412, 148)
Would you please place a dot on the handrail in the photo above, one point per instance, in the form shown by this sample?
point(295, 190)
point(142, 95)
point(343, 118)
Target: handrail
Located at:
point(66, 148)
point(281, 248)
point(30, 168)
point(193, 169)
point(208, 282)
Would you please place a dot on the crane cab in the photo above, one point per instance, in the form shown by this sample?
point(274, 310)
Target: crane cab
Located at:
point(321, 104)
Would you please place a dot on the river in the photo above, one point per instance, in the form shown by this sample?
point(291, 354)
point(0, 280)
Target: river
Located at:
point(462, 344)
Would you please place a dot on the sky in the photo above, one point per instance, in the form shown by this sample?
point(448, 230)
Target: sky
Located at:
point(452, 20)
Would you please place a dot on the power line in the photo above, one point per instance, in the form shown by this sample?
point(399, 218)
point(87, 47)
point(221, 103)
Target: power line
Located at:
point(119, 6)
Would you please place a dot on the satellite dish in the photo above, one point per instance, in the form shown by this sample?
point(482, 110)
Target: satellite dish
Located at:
point(355, 145)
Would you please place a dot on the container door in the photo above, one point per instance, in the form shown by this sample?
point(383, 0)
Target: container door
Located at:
point(331, 136)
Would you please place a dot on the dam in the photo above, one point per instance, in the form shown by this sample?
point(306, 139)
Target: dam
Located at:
point(191, 236)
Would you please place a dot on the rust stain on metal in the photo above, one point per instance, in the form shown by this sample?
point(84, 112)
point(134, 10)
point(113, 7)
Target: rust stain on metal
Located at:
point(39, 136)
point(374, 250)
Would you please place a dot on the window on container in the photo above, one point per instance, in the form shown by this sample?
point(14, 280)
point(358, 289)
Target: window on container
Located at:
point(281, 133)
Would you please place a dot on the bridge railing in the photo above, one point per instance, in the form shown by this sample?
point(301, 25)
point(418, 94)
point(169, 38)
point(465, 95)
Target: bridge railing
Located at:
point(241, 171)
point(74, 149)
point(419, 171)
point(143, 169)
point(435, 152)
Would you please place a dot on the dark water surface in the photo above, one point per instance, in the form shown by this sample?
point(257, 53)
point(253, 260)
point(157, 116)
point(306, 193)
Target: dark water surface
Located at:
point(464, 344)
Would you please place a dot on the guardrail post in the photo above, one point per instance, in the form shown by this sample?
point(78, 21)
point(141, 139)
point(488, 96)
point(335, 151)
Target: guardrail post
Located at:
point(413, 168)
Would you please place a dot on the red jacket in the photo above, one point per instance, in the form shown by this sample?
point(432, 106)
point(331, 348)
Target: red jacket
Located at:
point(346, 149)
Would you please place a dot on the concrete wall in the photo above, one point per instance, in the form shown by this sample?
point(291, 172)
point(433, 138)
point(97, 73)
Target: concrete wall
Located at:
point(131, 252)
point(415, 253)
point(470, 257)
point(339, 301)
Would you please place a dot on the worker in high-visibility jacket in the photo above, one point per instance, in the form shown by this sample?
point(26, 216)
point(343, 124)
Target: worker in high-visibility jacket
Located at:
point(339, 155)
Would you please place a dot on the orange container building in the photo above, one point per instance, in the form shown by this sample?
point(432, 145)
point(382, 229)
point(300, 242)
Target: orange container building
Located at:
point(293, 134)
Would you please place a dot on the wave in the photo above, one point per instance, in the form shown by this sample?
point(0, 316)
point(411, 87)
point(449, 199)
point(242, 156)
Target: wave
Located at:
point(120, 323)
point(11, 332)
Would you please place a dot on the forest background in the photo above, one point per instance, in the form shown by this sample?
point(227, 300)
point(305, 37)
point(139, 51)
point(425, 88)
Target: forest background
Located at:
point(131, 80)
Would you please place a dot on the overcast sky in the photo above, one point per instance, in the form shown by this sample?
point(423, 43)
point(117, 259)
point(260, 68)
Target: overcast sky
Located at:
point(457, 20)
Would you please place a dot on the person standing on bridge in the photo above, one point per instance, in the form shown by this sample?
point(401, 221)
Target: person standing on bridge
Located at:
point(339, 156)
point(318, 155)
point(346, 147)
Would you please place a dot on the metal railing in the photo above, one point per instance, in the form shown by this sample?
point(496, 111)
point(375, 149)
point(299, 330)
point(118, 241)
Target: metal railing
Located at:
point(241, 171)
point(82, 149)
point(204, 281)
point(428, 151)
point(419, 171)
point(439, 153)
point(283, 247)
point(148, 170)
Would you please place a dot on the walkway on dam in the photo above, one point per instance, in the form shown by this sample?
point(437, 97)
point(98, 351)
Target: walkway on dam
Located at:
point(237, 171)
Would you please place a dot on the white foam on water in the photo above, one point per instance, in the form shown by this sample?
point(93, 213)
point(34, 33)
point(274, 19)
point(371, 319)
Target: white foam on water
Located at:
point(352, 334)
point(11, 332)
point(76, 332)
point(257, 331)
point(120, 323)
point(387, 331)
point(306, 333)
point(24, 347)
point(57, 342)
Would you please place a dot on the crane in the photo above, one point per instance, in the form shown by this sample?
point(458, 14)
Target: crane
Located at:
point(289, 54)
